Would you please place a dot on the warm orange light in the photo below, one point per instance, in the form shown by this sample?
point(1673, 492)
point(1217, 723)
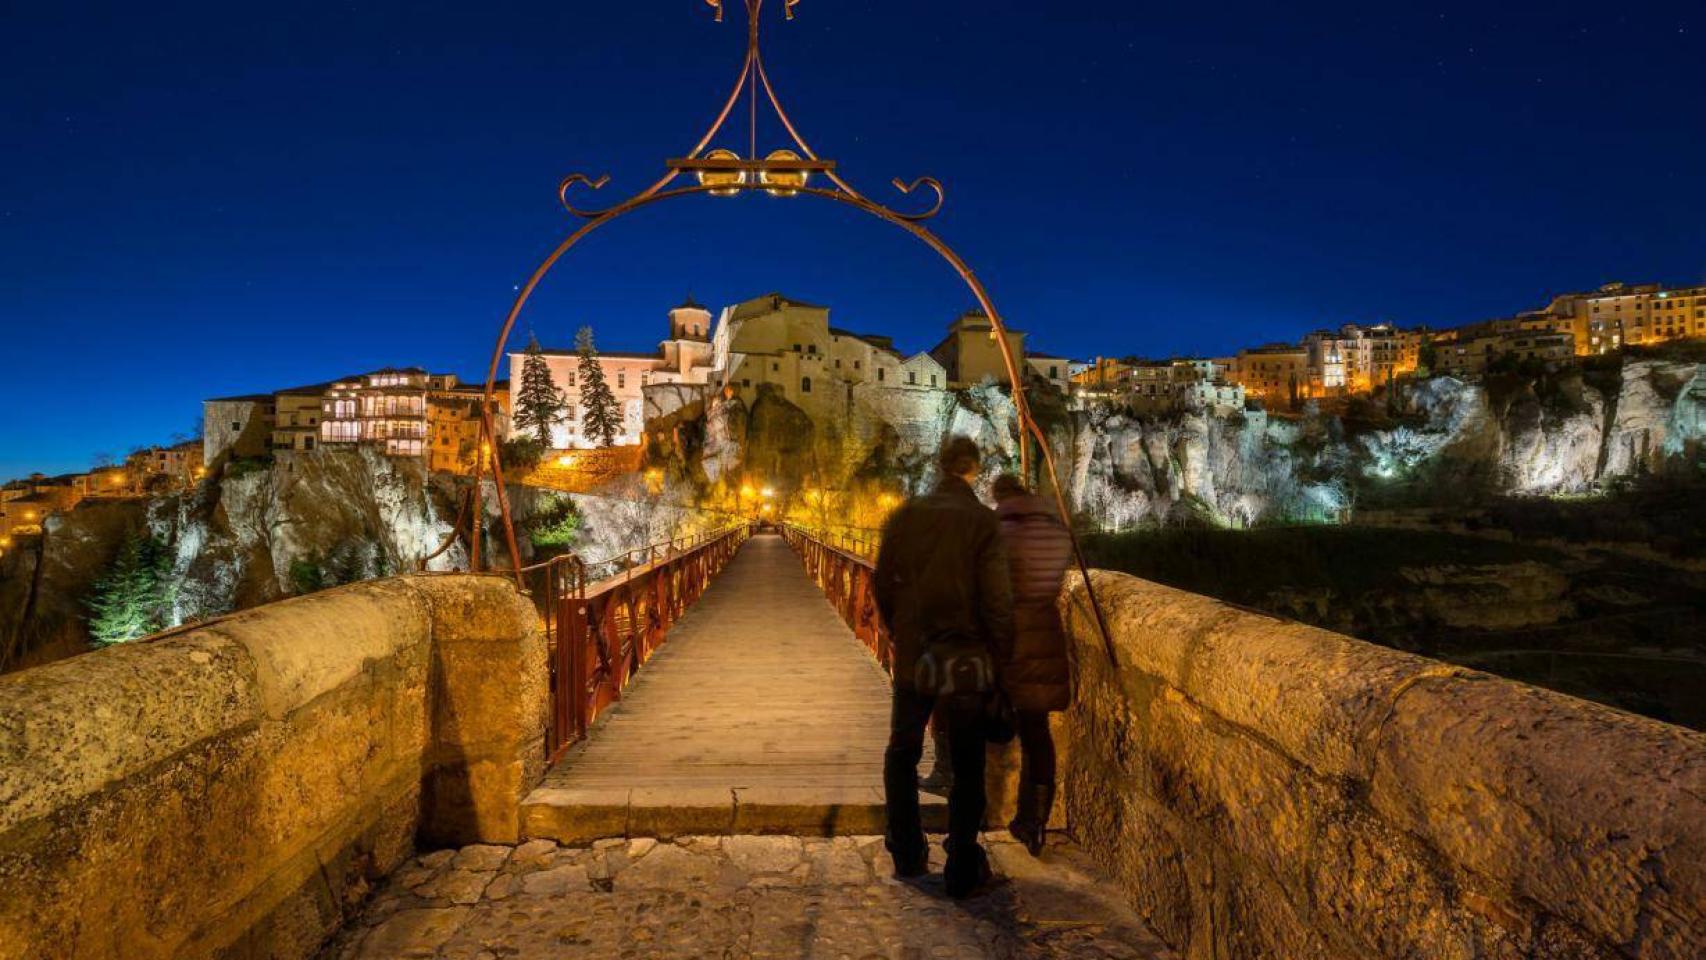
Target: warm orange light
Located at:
point(767, 493)
point(887, 501)
point(769, 508)
point(727, 182)
point(566, 460)
point(783, 183)
point(747, 491)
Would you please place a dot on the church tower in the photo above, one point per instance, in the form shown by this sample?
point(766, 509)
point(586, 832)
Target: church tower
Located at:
point(690, 321)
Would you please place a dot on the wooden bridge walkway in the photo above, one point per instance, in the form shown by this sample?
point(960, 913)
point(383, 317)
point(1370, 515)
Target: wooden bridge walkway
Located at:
point(761, 714)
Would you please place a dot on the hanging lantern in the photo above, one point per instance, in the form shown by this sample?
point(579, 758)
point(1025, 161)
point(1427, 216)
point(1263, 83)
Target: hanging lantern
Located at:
point(729, 181)
point(783, 183)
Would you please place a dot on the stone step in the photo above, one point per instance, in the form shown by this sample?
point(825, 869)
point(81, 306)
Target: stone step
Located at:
point(664, 811)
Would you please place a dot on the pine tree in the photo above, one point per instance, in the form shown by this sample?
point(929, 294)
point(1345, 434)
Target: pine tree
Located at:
point(540, 405)
point(603, 418)
point(131, 599)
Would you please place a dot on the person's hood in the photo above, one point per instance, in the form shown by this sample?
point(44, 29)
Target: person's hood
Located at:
point(1027, 505)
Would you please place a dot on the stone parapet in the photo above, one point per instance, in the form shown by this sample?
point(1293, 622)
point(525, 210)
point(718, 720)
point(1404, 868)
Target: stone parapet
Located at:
point(233, 790)
point(1262, 788)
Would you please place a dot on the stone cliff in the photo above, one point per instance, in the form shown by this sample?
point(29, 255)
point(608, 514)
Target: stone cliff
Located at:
point(1434, 442)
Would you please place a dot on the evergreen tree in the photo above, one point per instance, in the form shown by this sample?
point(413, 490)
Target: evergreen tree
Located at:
point(132, 598)
point(603, 418)
point(540, 405)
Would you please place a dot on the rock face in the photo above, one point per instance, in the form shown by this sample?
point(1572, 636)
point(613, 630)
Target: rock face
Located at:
point(1434, 442)
point(1266, 789)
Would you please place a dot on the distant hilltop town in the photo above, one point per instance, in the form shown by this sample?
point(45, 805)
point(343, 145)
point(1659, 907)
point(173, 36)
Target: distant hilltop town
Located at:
point(775, 343)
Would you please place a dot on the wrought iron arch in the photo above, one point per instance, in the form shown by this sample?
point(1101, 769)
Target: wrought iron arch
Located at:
point(784, 172)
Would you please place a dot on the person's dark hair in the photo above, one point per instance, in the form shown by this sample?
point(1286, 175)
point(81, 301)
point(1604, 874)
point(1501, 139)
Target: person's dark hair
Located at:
point(1009, 485)
point(959, 457)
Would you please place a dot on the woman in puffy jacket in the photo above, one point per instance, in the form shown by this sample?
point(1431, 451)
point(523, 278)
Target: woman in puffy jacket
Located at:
point(1035, 671)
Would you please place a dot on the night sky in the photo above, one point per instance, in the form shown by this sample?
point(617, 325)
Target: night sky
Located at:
point(197, 199)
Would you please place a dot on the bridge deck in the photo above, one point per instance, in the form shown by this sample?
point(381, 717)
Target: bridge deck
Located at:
point(761, 714)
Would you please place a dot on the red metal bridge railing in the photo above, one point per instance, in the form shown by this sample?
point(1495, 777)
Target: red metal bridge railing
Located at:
point(600, 633)
point(844, 566)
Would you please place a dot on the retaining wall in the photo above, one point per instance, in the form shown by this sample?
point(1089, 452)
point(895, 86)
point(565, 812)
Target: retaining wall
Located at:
point(233, 790)
point(1261, 788)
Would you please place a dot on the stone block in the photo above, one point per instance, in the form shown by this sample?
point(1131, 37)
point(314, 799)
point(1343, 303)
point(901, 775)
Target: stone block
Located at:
point(1593, 814)
point(69, 728)
point(474, 608)
point(471, 800)
point(312, 645)
point(666, 813)
point(575, 817)
point(817, 811)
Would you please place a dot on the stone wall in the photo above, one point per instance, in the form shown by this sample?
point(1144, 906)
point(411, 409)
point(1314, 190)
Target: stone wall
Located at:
point(233, 790)
point(1261, 788)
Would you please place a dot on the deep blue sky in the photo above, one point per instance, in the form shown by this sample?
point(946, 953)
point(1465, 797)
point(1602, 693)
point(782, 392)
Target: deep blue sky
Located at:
point(200, 199)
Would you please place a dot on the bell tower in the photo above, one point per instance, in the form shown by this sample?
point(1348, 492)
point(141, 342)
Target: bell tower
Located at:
point(690, 321)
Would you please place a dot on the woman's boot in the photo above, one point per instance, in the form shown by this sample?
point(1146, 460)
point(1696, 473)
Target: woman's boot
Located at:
point(1030, 825)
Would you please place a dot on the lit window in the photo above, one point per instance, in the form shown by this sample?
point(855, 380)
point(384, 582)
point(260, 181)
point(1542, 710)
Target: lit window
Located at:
point(805, 384)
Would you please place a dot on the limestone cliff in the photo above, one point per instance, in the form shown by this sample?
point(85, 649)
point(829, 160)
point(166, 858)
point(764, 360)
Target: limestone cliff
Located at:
point(1439, 441)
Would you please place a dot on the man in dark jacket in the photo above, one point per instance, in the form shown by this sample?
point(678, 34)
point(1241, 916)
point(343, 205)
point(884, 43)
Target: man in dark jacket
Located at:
point(1035, 671)
point(942, 583)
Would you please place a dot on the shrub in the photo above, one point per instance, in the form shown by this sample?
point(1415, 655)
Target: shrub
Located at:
point(523, 452)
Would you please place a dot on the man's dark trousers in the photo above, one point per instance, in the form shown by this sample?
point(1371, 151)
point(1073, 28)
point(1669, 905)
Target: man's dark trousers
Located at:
point(964, 717)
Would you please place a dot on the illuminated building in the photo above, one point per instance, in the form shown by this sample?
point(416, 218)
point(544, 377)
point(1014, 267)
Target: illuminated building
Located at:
point(790, 346)
point(1621, 314)
point(297, 413)
point(970, 353)
point(1276, 374)
point(453, 424)
point(1359, 359)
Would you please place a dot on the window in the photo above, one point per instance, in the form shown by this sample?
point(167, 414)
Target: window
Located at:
point(856, 364)
point(796, 348)
point(838, 363)
point(621, 379)
point(881, 374)
point(932, 379)
point(775, 368)
point(236, 425)
point(805, 384)
point(912, 378)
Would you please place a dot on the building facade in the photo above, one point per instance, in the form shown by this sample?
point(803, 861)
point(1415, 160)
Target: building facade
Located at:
point(1621, 314)
point(971, 354)
point(1276, 374)
point(237, 427)
point(1359, 359)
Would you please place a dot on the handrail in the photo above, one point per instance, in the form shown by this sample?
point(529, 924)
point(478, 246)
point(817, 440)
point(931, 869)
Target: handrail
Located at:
point(600, 633)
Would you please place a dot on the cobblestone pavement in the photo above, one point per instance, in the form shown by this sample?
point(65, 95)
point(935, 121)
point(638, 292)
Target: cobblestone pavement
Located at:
point(736, 897)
